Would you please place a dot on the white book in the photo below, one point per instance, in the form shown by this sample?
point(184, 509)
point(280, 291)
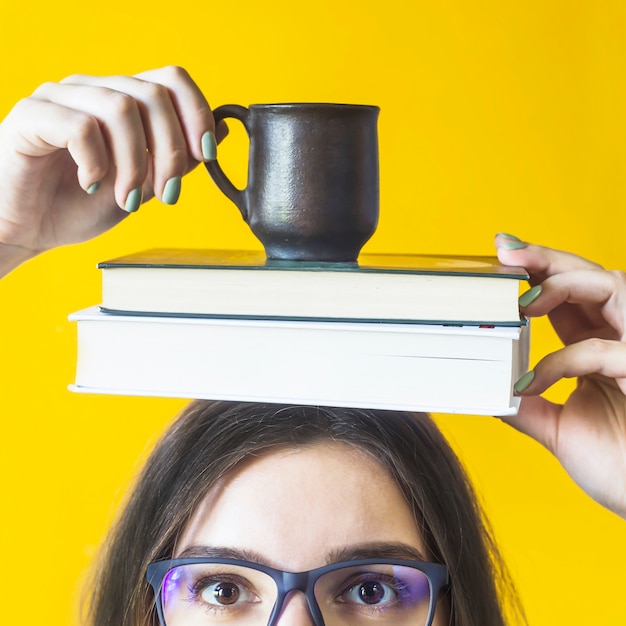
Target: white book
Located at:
point(438, 368)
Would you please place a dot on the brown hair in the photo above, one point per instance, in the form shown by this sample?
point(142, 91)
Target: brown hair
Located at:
point(210, 438)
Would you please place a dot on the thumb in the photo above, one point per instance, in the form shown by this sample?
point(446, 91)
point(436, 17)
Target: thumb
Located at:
point(538, 418)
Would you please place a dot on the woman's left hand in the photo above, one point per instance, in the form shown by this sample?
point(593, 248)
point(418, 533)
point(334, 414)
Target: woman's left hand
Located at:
point(586, 305)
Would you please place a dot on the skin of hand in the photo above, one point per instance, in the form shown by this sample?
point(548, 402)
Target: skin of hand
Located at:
point(586, 305)
point(75, 154)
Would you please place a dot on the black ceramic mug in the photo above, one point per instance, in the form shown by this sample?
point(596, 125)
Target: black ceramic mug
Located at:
point(312, 192)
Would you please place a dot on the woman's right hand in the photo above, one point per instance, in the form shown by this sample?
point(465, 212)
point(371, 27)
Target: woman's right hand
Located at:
point(78, 156)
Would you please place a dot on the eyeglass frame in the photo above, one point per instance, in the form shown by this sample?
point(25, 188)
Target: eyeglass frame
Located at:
point(286, 582)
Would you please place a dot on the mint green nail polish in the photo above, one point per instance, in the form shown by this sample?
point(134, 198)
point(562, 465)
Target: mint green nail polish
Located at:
point(513, 245)
point(507, 236)
point(93, 188)
point(209, 146)
point(524, 381)
point(530, 296)
point(133, 201)
point(171, 192)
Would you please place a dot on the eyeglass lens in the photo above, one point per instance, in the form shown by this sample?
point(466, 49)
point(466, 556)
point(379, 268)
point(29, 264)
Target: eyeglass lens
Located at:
point(214, 593)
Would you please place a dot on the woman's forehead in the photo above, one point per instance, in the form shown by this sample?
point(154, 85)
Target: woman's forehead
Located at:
point(294, 506)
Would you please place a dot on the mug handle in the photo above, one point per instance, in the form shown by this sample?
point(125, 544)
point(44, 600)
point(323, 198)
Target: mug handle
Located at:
point(238, 196)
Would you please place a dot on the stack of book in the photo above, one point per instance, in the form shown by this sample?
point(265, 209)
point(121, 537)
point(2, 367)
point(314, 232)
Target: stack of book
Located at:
point(405, 332)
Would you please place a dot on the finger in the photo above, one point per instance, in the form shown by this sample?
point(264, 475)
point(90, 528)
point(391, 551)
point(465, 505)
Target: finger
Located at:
point(122, 127)
point(540, 261)
point(589, 357)
point(167, 146)
point(538, 418)
point(39, 128)
point(193, 110)
point(605, 290)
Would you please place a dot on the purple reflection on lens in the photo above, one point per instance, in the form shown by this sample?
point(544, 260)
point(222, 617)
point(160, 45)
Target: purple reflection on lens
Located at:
point(416, 586)
point(170, 584)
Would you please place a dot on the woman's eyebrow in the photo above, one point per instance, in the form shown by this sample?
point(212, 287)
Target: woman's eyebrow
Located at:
point(376, 550)
point(219, 552)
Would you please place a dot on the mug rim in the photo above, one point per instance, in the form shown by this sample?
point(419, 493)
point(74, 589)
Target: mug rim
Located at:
point(312, 105)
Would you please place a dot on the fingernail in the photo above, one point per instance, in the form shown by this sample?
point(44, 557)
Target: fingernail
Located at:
point(93, 188)
point(513, 245)
point(524, 381)
point(507, 236)
point(171, 192)
point(133, 201)
point(530, 296)
point(209, 146)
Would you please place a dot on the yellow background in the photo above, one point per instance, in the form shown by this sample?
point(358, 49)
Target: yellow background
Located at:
point(496, 116)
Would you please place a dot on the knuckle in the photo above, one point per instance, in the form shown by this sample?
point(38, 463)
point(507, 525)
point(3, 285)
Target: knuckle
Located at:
point(619, 279)
point(93, 172)
point(122, 104)
point(84, 127)
point(21, 107)
point(43, 89)
point(176, 74)
point(597, 346)
point(155, 92)
point(97, 171)
point(72, 78)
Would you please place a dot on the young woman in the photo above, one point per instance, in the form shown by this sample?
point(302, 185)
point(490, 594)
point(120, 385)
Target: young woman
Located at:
point(371, 509)
point(263, 497)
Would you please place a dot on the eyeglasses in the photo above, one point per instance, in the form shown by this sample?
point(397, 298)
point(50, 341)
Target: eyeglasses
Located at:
point(206, 591)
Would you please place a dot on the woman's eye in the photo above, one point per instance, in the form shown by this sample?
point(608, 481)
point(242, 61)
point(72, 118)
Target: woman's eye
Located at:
point(371, 592)
point(225, 593)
